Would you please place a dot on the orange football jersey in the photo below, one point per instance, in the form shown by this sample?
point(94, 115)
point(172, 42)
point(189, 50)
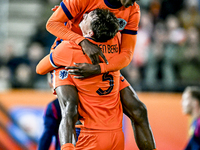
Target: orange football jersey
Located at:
point(71, 13)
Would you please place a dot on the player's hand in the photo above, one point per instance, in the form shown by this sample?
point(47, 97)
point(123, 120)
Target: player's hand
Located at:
point(83, 70)
point(92, 51)
point(55, 8)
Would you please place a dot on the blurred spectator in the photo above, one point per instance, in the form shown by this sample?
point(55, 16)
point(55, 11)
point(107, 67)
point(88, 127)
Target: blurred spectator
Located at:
point(20, 69)
point(191, 107)
point(155, 73)
point(23, 68)
point(5, 77)
point(188, 59)
point(169, 7)
point(18, 66)
point(160, 72)
point(154, 9)
point(189, 16)
point(40, 44)
point(155, 56)
point(176, 34)
point(132, 74)
point(8, 53)
point(135, 71)
point(23, 76)
point(35, 53)
point(175, 37)
point(41, 35)
point(143, 41)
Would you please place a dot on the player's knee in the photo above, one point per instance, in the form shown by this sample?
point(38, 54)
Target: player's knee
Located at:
point(72, 100)
point(70, 110)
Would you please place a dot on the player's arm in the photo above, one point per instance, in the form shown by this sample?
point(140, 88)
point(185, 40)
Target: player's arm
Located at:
point(83, 70)
point(55, 25)
point(128, 42)
point(124, 58)
point(45, 66)
point(59, 57)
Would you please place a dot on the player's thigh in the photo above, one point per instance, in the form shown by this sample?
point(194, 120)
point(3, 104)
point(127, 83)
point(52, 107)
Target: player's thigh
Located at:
point(67, 94)
point(60, 76)
point(64, 87)
point(129, 98)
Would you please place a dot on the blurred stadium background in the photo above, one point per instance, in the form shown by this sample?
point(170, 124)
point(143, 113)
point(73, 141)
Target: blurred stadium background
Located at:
point(166, 60)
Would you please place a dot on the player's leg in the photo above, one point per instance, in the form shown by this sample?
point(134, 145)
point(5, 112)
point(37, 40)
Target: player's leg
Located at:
point(68, 99)
point(137, 112)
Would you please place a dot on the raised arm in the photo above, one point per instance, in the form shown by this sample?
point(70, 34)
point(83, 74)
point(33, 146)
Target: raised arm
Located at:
point(119, 61)
point(59, 57)
point(44, 66)
point(56, 26)
point(128, 42)
point(124, 58)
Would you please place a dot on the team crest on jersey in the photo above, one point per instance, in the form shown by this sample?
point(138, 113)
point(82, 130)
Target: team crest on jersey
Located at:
point(63, 74)
point(122, 23)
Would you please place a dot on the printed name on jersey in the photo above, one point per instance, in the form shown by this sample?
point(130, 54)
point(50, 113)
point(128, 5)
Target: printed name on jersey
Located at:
point(63, 74)
point(122, 23)
point(109, 48)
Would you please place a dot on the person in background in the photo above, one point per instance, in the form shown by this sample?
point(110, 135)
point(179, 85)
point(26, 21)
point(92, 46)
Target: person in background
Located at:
point(52, 119)
point(191, 107)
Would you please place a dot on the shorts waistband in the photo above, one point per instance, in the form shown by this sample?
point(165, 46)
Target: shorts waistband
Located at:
point(87, 130)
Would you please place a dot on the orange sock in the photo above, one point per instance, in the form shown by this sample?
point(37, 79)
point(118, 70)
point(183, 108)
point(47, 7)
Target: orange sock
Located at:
point(68, 146)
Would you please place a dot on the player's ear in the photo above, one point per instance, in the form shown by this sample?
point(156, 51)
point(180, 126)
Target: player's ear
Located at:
point(91, 33)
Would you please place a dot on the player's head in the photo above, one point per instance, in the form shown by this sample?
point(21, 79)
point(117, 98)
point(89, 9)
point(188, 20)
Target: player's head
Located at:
point(100, 24)
point(191, 100)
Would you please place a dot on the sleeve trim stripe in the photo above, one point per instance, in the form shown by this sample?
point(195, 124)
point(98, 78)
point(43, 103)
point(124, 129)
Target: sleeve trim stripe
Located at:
point(57, 43)
point(51, 61)
point(66, 11)
point(129, 32)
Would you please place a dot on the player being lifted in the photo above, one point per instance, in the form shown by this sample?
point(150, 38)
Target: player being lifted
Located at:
point(128, 14)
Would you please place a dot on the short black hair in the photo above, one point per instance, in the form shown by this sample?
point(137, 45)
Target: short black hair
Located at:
point(105, 25)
